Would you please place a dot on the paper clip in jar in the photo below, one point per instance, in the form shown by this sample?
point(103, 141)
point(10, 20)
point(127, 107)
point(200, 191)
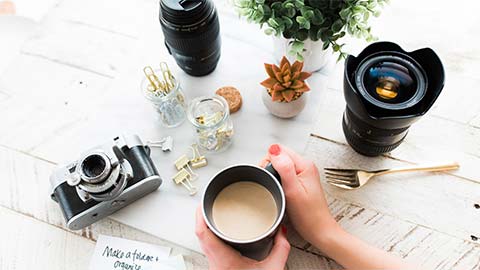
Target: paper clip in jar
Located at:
point(165, 94)
point(211, 119)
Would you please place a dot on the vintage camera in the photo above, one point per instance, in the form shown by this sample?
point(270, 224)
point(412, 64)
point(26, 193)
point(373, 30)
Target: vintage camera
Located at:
point(105, 179)
point(387, 89)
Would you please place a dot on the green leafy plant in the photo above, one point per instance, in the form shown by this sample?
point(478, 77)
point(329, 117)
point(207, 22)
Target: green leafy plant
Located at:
point(319, 20)
point(287, 82)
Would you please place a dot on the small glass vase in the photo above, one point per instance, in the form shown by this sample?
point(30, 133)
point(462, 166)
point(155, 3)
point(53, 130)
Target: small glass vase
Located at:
point(171, 107)
point(210, 117)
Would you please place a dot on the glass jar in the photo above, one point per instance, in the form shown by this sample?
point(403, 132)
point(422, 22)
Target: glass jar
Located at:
point(171, 106)
point(211, 118)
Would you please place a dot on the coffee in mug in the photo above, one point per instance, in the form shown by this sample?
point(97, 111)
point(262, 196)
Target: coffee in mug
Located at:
point(244, 206)
point(244, 210)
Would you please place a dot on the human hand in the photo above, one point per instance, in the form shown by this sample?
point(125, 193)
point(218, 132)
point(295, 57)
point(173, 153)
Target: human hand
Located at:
point(221, 256)
point(306, 204)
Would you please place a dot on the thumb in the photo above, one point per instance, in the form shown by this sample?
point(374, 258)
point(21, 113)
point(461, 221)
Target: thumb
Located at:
point(280, 250)
point(285, 166)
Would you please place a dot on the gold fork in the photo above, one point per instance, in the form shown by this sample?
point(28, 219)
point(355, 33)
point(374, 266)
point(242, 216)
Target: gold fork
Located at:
point(353, 179)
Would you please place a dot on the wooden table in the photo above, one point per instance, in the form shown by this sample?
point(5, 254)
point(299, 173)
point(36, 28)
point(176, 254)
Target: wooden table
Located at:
point(66, 69)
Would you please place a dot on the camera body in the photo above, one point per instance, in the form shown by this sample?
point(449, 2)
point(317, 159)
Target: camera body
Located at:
point(386, 90)
point(105, 179)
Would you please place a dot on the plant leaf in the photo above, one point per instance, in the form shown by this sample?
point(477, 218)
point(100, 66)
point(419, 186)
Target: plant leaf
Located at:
point(269, 83)
point(297, 84)
point(288, 95)
point(269, 70)
point(297, 67)
point(304, 75)
point(283, 62)
point(278, 87)
point(304, 88)
point(277, 96)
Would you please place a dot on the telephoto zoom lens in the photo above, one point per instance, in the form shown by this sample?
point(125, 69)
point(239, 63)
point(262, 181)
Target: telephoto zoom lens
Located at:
point(387, 90)
point(192, 34)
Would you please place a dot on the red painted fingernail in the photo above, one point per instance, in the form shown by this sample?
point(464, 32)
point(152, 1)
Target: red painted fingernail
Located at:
point(274, 149)
point(284, 229)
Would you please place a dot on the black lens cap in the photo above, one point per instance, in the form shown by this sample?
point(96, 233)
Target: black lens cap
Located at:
point(182, 5)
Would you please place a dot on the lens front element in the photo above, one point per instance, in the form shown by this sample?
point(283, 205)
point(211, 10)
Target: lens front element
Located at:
point(391, 82)
point(93, 166)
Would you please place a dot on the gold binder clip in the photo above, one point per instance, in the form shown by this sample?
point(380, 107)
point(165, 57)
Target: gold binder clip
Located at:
point(183, 177)
point(197, 160)
point(184, 163)
point(210, 119)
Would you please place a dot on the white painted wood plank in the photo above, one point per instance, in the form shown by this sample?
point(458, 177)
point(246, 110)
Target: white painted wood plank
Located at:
point(419, 245)
point(429, 199)
point(129, 17)
point(31, 244)
point(53, 86)
point(93, 50)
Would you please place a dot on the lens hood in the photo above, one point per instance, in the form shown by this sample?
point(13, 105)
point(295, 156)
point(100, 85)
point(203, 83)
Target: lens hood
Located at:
point(427, 62)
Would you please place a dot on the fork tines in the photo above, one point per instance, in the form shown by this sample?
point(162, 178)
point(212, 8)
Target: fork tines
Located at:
point(343, 178)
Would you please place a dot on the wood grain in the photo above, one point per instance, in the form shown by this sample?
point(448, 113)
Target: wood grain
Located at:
point(68, 68)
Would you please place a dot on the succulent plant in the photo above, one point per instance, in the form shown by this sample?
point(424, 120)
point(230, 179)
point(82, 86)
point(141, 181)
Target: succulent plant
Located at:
point(287, 82)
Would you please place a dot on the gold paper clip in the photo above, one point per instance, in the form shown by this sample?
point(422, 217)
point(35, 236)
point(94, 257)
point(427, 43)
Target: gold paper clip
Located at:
point(155, 83)
point(183, 177)
point(197, 160)
point(183, 163)
point(169, 80)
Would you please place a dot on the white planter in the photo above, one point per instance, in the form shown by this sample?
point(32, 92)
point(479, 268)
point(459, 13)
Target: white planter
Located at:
point(284, 109)
point(315, 57)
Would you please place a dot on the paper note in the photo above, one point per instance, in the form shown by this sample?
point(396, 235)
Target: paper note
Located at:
point(112, 253)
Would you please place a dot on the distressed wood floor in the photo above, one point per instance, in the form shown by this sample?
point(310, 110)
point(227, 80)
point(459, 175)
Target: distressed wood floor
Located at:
point(432, 219)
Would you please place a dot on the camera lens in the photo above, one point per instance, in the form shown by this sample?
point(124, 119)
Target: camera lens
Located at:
point(192, 34)
point(390, 82)
point(94, 168)
point(386, 90)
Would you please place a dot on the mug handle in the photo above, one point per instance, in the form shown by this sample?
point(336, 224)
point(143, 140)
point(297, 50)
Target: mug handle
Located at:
point(272, 170)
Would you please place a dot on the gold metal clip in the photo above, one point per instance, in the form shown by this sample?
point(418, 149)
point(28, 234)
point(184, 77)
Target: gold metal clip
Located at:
point(184, 163)
point(169, 80)
point(155, 83)
point(183, 177)
point(210, 119)
point(197, 160)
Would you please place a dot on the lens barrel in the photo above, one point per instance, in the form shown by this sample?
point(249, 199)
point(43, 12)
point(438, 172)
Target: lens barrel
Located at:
point(192, 34)
point(386, 90)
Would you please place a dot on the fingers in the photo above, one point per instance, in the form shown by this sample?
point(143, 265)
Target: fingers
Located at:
point(208, 241)
point(283, 164)
point(301, 164)
point(280, 250)
point(264, 162)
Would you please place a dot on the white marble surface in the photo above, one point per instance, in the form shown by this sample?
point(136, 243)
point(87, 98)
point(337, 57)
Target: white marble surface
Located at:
point(169, 212)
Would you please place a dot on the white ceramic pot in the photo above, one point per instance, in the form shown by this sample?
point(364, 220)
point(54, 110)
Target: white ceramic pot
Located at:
point(315, 57)
point(284, 109)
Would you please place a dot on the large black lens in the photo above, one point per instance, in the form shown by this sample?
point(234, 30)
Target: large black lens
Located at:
point(93, 166)
point(390, 82)
point(386, 90)
point(192, 34)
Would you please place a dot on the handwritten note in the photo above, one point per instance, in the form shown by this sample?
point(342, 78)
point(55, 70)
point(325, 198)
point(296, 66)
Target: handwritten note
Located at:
point(112, 253)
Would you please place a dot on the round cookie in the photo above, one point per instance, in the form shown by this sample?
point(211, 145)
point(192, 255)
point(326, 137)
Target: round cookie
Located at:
point(233, 97)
